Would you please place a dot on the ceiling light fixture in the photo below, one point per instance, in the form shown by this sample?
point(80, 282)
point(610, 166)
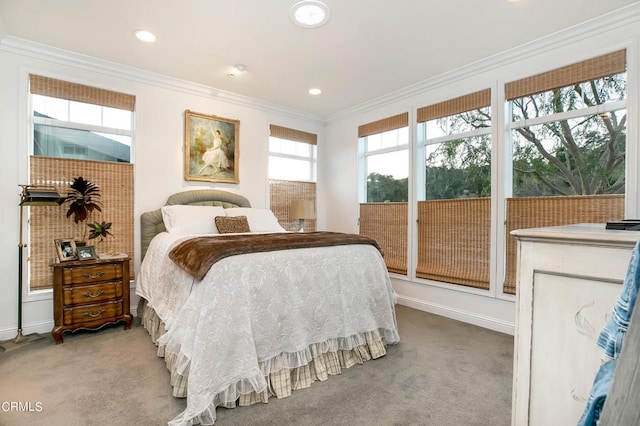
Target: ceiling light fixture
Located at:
point(309, 13)
point(237, 69)
point(146, 36)
point(315, 91)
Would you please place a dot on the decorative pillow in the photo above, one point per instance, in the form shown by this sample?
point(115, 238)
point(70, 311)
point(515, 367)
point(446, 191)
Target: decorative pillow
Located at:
point(260, 220)
point(229, 224)
point(181, 219)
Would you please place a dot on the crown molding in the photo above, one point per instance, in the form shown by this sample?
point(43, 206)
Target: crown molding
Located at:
point(607, 22)
point(63, 57)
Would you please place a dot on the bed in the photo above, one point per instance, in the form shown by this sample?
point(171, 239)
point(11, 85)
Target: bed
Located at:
point(255, 324)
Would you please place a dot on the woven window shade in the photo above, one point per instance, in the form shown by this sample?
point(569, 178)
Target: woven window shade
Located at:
point(387, 224)
point(282, 192)
point(455, 106)
point(591, 69)
point(115, 181)
point(454, 241)
point(293, 135)
point(77, 92)
point(386, 124)
point(536, 212)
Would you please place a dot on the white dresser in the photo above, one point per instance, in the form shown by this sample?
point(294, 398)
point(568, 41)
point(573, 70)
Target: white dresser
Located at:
point(568, 281)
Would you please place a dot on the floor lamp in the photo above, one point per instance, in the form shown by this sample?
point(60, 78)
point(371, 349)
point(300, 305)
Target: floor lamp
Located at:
point(31, 196)
point(301, 210)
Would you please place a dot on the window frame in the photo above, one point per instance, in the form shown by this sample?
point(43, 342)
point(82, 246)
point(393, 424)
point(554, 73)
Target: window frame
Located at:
point(311, 159)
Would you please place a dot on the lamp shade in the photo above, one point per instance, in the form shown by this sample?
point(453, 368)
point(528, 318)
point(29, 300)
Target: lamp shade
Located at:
point(302, 209)
point(40, 196)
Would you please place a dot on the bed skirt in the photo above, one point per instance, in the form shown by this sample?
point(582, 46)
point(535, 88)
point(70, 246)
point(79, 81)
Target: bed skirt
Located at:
point(283, 381)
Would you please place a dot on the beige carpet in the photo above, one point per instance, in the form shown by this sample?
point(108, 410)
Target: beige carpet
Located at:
point(443, 372)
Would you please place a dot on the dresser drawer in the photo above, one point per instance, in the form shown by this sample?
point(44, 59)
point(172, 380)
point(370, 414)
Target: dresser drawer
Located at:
point(94, 312)
point(92, 273)
point(91, 293)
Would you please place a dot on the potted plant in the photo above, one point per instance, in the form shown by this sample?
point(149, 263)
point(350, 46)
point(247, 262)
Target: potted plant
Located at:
point(83, 199)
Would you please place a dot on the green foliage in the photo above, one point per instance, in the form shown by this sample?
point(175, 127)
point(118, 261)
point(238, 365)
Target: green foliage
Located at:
point(384, 188)
point(459, 168)
point(580, 155)
point(99, 230)
point(575, 155)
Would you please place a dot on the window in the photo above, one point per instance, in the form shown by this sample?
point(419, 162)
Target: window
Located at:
point(454, 205)
point(291, 160)
point(568, 148)
point(292, 172)
point(384, 177)
point(79, 131)
point(67, 126)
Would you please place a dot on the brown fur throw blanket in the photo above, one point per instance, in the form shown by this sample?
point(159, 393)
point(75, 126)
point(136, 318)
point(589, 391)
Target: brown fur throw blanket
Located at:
point(196, 255)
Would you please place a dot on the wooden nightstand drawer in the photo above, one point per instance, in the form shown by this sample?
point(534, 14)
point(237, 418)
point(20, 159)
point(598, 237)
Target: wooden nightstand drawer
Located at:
point(91, 293)
point(98, 311)
point(92, 273)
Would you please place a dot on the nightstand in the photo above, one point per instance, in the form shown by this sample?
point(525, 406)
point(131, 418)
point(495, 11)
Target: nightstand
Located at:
point(89, 294)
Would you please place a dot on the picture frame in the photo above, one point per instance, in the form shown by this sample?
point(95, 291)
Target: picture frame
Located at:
point(86, 253)
point(211, 148)
point(66, 248)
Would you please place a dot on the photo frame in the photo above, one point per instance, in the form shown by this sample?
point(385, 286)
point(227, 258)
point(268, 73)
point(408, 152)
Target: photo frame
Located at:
point(66, 248)
point(86, 253)
point(211, 148)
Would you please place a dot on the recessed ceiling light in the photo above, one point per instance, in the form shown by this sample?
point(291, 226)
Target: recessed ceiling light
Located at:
point(145, 36)
point(309, 13)
point(315, 91)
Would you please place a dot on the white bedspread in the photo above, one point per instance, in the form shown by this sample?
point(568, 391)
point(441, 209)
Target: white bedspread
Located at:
point(257, 313)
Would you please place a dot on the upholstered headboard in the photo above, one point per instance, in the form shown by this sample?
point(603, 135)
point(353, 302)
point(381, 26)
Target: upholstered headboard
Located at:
point(151, 223)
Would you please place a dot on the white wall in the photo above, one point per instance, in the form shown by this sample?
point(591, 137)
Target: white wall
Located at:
point(338, 158)
point(160, 106)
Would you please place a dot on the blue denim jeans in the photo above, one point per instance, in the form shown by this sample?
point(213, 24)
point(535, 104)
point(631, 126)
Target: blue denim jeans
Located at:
point(611, 338)
point(598, 394)
point(612, 335)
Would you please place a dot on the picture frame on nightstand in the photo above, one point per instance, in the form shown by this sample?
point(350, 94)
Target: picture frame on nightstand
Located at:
point(86, 253)
point(66, 248)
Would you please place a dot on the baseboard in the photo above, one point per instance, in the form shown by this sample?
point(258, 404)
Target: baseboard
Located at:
point(459, 315)
point(41, 327)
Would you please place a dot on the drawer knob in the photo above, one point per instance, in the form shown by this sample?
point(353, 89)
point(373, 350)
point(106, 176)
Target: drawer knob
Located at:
point(94, 314)
point(93, 276)
point(96, 294)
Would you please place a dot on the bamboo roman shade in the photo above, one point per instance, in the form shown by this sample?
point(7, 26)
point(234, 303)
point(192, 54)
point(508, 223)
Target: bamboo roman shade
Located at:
point(591, 69)
point(454, 106)
point(387, 224)
point(46, 86)
point(386, 124)
point(293, 135)
point(454, 241)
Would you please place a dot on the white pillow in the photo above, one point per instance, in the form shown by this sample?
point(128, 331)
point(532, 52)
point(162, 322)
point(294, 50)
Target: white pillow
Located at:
point(191, 219)
point(260, 220)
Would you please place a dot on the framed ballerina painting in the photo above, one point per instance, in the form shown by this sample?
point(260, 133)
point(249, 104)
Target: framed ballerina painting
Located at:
point(211, 151)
